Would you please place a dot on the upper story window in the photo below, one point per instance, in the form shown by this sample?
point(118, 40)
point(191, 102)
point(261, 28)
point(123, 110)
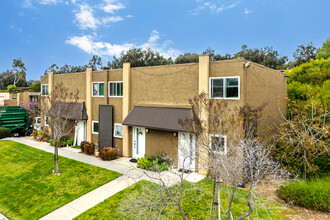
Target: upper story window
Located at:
point(44, 89)
point(224, 87)
point(98, 89)
point(116, 89)
point(218, 144)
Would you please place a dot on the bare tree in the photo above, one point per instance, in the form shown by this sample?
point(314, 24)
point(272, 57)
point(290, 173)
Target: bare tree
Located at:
point(164, 198)
point(59, 107)
point(303, 137)
point(230, 151)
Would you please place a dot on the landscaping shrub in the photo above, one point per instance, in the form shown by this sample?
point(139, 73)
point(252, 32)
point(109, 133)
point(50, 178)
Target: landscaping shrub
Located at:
point(69, 141)
point(89, 148)
point(52, 142)
point(152, 163)
point(312, 194)
point(108, 153)
point(4, 132)
point(82, 146)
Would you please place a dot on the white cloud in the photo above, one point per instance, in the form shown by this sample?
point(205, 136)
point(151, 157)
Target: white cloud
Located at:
point(110, 6)
point(90, 45)
point(85, 17)
point(213, 7)
point(16, 28)
point(112, 19)
point(129, 16)
point(27, 4)
point(49, 2)
point(247, 11)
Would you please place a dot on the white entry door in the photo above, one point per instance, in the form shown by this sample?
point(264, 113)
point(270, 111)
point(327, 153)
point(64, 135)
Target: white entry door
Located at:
point(186, 154)
point(80, 132)
point(139, 142)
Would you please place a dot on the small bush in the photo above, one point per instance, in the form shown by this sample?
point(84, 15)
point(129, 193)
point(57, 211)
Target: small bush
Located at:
point(108, 153)
point(82, 146)
point(152, 163)
point(34, 133)
point(312, 194)
point(69, 141)
point(4, 132)
point(52, 142)
point(89, 148)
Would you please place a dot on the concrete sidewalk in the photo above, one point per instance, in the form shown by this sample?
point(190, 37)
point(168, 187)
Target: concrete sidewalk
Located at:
point(2, 217)
point(131, 175)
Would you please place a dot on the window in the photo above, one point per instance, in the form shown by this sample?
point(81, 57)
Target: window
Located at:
point(218, 144)
point(98, 89)
point(115, 89)
point(95, 127)
point(44, 89)
point(34, 98)
point(224, 87)
point(46, 120)
point(118, 132)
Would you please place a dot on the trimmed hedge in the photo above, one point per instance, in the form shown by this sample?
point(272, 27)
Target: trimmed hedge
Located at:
point(4, 132)
point(89, 148)
point(312, 194)
point(108, 153)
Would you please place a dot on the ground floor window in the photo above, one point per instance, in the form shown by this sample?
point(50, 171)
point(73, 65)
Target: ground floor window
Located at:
point(95, 127)
point(118, 131)
point(218, 144)
point(46, 120)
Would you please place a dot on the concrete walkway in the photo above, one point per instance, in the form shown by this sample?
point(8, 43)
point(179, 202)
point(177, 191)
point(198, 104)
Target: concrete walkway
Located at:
point(131, 175)
point(2, 217)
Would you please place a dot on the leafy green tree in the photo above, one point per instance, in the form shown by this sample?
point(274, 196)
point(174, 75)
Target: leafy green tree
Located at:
point(304, 53)
point(95, 63)
point(35, 87)
point(215, 57)
point(138, 57)
point(324, 51)
point(11, 89)
point(19, 70)
point(187, 58)
point(266, 56)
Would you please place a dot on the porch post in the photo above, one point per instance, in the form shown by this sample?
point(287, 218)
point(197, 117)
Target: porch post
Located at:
point(89, 103)
point(126, 107)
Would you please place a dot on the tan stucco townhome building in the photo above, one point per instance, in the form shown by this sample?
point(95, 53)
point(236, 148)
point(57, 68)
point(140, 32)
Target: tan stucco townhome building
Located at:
point(137, 109)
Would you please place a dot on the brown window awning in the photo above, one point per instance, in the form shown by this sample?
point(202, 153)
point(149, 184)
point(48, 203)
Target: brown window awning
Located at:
point(75, 111)
point(157, 118)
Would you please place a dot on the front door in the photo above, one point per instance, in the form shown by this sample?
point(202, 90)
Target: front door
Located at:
point(80, 132)
point(186, 154)
point(139, 141)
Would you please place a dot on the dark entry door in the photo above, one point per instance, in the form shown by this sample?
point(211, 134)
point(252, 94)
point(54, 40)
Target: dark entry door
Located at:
point(105, 126)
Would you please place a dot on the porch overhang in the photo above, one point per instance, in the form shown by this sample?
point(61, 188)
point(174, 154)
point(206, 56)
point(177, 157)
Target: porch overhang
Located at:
point(158, 118)
point(76, 111)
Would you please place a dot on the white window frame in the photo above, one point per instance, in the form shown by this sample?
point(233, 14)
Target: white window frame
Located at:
point(41, 89)
point(114, 130)
point(93, 122)
point(224, 81)
point(225, 147)
point(98, 90)
point(45, 123)
point(116, 91)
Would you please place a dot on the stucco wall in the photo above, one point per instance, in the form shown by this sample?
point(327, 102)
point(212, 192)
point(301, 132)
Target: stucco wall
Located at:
point(73, 82)
point(171, 85)
point(3, 96)
point(161, 141)
point(266, 85)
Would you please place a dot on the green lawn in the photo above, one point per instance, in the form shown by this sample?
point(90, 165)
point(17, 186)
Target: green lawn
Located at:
point(196, 205)
point(29, 190)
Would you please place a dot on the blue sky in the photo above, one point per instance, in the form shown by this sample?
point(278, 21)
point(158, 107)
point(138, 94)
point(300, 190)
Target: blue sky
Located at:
point(44, 32)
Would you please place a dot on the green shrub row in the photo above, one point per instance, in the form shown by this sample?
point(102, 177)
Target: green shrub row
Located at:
point(312, 194)
point(158, 163)
point(4, 132)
